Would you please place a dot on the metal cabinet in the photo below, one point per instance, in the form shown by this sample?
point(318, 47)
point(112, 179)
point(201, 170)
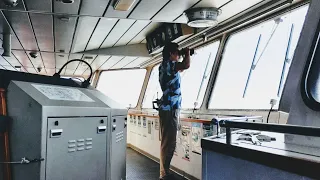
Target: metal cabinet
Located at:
point(76, 148)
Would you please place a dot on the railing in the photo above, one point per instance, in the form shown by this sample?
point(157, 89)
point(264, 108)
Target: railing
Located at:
point(289, 129)
point(217, 120)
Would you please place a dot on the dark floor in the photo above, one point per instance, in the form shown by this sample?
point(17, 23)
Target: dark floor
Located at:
point(140, 167)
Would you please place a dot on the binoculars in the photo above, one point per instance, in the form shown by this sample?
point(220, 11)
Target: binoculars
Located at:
point(183, 52)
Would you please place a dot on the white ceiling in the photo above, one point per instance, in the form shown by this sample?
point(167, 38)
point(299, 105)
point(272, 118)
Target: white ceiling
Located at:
point(93, 24)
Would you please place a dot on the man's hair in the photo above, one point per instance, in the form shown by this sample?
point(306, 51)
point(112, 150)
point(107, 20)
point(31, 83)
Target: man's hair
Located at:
point(169, 48)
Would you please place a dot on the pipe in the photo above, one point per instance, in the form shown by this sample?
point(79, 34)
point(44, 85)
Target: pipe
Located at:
point(6, 45)
point(3, 111)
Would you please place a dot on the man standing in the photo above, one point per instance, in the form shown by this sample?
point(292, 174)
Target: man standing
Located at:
point(169, 78)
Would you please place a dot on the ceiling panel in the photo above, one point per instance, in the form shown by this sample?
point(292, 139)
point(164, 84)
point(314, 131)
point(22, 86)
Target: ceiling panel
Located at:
point(121, 27)
point(82, 66)
point(48, 60)
point(50, 71)
point(63, 32)
point(102, 30)
point(84, 30)
point(147, 9)
point(23, 58)
point(173, 10)
point(10, 68)
point(43, 28)
point(1, 67)
point(15, 44)
point(120, 14)
point(74, 65)
point(132, 32)
point(61, 59)
point(235, 7)
point(94, 7)
point(99, 61)
point(142, 35)
point(39, 5)
point(37, 62)
point(31, 70)
point(12, 60)
point(21, 24)
point(69, 72)
point(4, 62)
point(86, 73)
point(144, 41)
point(111, 61)
point(60, 7)
point(124, 62)
point(136, 62)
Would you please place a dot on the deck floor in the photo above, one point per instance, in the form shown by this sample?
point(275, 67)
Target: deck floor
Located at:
point(140, 167)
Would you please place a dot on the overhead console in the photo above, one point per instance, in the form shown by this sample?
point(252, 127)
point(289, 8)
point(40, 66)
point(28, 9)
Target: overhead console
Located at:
point(166, 33)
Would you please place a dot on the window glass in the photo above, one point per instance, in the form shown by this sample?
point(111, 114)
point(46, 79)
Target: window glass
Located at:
point(123, 86)
point(256, 62)
point(194, 80)
point(153, 89)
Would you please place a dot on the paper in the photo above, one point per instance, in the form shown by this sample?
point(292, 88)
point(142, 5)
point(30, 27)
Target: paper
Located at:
point(62, 93)
point(144, 122)
point(196, 138)
point(156, 124)
point(149, 127)
point(185, 142)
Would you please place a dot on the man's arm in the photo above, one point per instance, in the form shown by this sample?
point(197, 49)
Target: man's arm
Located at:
point(185, 64)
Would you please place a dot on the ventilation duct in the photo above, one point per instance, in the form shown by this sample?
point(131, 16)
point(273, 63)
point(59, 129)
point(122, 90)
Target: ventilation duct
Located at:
point(6, 45)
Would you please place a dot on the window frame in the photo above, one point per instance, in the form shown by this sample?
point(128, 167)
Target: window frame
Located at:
point(146, 73)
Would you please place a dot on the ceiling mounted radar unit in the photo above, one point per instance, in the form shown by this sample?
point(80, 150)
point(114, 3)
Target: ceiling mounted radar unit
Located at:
point(202, 17)
point(123, 5)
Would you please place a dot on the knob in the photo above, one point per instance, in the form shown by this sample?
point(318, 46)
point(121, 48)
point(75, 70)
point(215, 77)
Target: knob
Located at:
point(114, 127)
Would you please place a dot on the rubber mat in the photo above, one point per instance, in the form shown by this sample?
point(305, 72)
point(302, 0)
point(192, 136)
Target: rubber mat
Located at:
point(140, 167)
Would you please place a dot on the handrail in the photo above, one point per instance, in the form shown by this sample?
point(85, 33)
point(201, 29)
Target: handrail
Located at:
point(217, 120)
point(289, 129)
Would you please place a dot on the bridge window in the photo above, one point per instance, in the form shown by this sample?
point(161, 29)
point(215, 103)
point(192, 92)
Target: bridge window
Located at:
point(256, 62)
point(123, 86)
point(194, 81)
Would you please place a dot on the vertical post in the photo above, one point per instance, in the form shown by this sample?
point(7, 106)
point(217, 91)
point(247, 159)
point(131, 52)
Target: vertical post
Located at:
point(3, 111)
point(228, 135)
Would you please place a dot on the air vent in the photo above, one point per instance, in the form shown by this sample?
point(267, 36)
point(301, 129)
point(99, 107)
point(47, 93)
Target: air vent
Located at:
point(202, 17)
point(88, 57)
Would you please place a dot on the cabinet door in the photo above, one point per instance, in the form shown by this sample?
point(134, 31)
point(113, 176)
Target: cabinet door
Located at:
point(119, 148)
point(76, 148)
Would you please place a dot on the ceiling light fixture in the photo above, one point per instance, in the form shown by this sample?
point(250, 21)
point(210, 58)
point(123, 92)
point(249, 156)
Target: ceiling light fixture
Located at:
point(66, 1)
point(202, 17)
point(123, 5)
point(64, 18)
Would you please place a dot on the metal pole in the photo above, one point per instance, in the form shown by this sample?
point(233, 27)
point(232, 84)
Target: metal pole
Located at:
point(228, 136)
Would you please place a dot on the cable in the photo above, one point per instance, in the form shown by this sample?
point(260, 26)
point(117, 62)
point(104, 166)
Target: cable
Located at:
point(86, 83)
point(269, 113)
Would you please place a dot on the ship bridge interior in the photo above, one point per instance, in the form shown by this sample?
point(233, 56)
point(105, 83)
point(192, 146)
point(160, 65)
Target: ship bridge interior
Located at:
point(80, 91)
